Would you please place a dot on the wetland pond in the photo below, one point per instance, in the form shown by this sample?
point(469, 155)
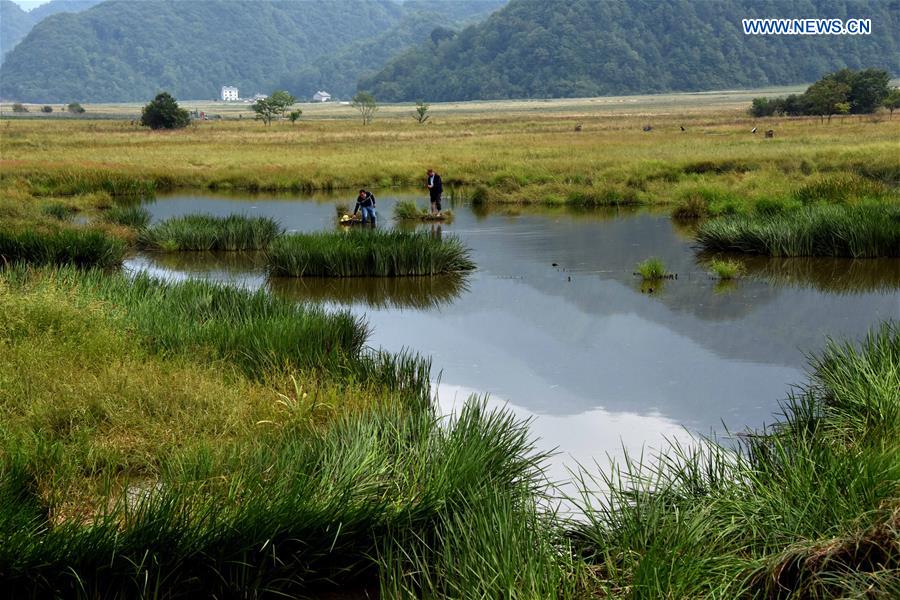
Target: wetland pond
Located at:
point(555, 325)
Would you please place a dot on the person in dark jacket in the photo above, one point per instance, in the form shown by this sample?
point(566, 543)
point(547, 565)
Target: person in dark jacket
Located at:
point(365, 202)
point(435, 189)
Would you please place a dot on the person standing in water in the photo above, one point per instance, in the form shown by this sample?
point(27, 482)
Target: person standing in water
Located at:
point(435, 189)
point(366, 202)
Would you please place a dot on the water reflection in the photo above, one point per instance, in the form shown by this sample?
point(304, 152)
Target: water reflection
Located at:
point(555, 321)
point(421, 293)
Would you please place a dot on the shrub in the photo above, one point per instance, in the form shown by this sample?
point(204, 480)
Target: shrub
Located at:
point(19, 107)
point(75, 108)
point(46, 109)
point(163, 113)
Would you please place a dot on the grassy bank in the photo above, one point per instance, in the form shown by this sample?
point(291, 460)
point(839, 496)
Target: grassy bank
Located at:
point(535, 157)
point(808, 508)
point(131, 469)
point(855, 231)
point(407, 210)
point(373, 253)
point(209, 233)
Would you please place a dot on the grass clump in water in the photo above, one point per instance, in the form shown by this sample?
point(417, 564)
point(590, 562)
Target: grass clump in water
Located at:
point(858, 231)
point(134, 216)
point(63, 246)
point(726, 269)
point(206, 232)
point(651, 269)
point(370, 253)
point(407, 210)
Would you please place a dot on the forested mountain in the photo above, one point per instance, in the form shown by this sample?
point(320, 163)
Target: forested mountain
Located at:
point(340, 71)
point(560, 48)
point(122, 50)
point(15, 23)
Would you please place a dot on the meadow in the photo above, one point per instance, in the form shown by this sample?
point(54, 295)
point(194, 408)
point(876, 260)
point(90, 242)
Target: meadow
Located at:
point(165, 439)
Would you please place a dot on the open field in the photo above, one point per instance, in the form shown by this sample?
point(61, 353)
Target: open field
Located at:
point(160, 439)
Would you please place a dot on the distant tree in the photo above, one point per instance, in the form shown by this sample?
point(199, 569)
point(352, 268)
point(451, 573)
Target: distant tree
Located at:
point(163, 112)
point(762, 107)
point(75, 108)
point(266, 110)
point(365, 103)
point(868, 89)
point(842, 108)
point(281, 101)
point(421, 112)
point(46, 109)
point(19, 107)
point(294, 115)
point(892, 101)
point(824, 96)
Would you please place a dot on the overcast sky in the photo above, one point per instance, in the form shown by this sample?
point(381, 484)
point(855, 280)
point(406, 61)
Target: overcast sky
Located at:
point(29, 4)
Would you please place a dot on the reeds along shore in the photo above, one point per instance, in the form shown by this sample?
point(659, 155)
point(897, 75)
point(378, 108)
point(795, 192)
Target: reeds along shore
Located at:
point(372, 253)
point(288, 493)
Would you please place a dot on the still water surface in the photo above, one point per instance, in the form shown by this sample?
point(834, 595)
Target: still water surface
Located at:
point(555, 325)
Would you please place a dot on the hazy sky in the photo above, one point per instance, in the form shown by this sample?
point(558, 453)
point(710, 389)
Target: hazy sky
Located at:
point(29, 4)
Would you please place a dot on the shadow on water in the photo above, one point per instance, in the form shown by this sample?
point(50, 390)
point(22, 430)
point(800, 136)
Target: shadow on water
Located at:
point(421, 293)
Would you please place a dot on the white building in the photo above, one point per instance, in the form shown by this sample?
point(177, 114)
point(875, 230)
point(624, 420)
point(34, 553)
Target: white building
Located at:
point(258, 96)
point(229, 93)
point(321, 96)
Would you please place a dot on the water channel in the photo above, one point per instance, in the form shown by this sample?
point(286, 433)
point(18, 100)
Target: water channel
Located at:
point(555, 325)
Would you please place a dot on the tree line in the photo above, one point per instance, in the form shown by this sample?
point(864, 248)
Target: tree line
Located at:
point(843, 92)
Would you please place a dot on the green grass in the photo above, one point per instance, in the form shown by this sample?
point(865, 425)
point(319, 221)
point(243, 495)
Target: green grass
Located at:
point(288, 513)
point(205, 232)
point(857, 231)
point(63, 246)
point(134, 216)
point(257, 332)
point(373, 253)
point(58, 211)
point(726, 269)
point(652, 268)
point(807, 508)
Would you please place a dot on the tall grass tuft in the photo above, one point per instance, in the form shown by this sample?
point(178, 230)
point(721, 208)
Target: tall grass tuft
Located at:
point(58, 211)
point(806, 508)
point(134, 216)
point(858, 231)
point(66, 246)
point(652, 268)
point(726, 269)
point(370, 253)
point(289, 513)
point(205, 232)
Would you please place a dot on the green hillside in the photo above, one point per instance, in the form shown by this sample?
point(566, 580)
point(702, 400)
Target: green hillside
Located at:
point(123, 50)
point(565, 48)
point(15, 23)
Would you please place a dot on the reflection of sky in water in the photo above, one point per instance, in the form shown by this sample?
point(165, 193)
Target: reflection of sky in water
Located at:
point(603, 365)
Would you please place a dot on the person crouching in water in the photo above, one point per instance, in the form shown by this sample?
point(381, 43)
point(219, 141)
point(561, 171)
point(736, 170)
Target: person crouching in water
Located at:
point(366, 202)
point(435, 189)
